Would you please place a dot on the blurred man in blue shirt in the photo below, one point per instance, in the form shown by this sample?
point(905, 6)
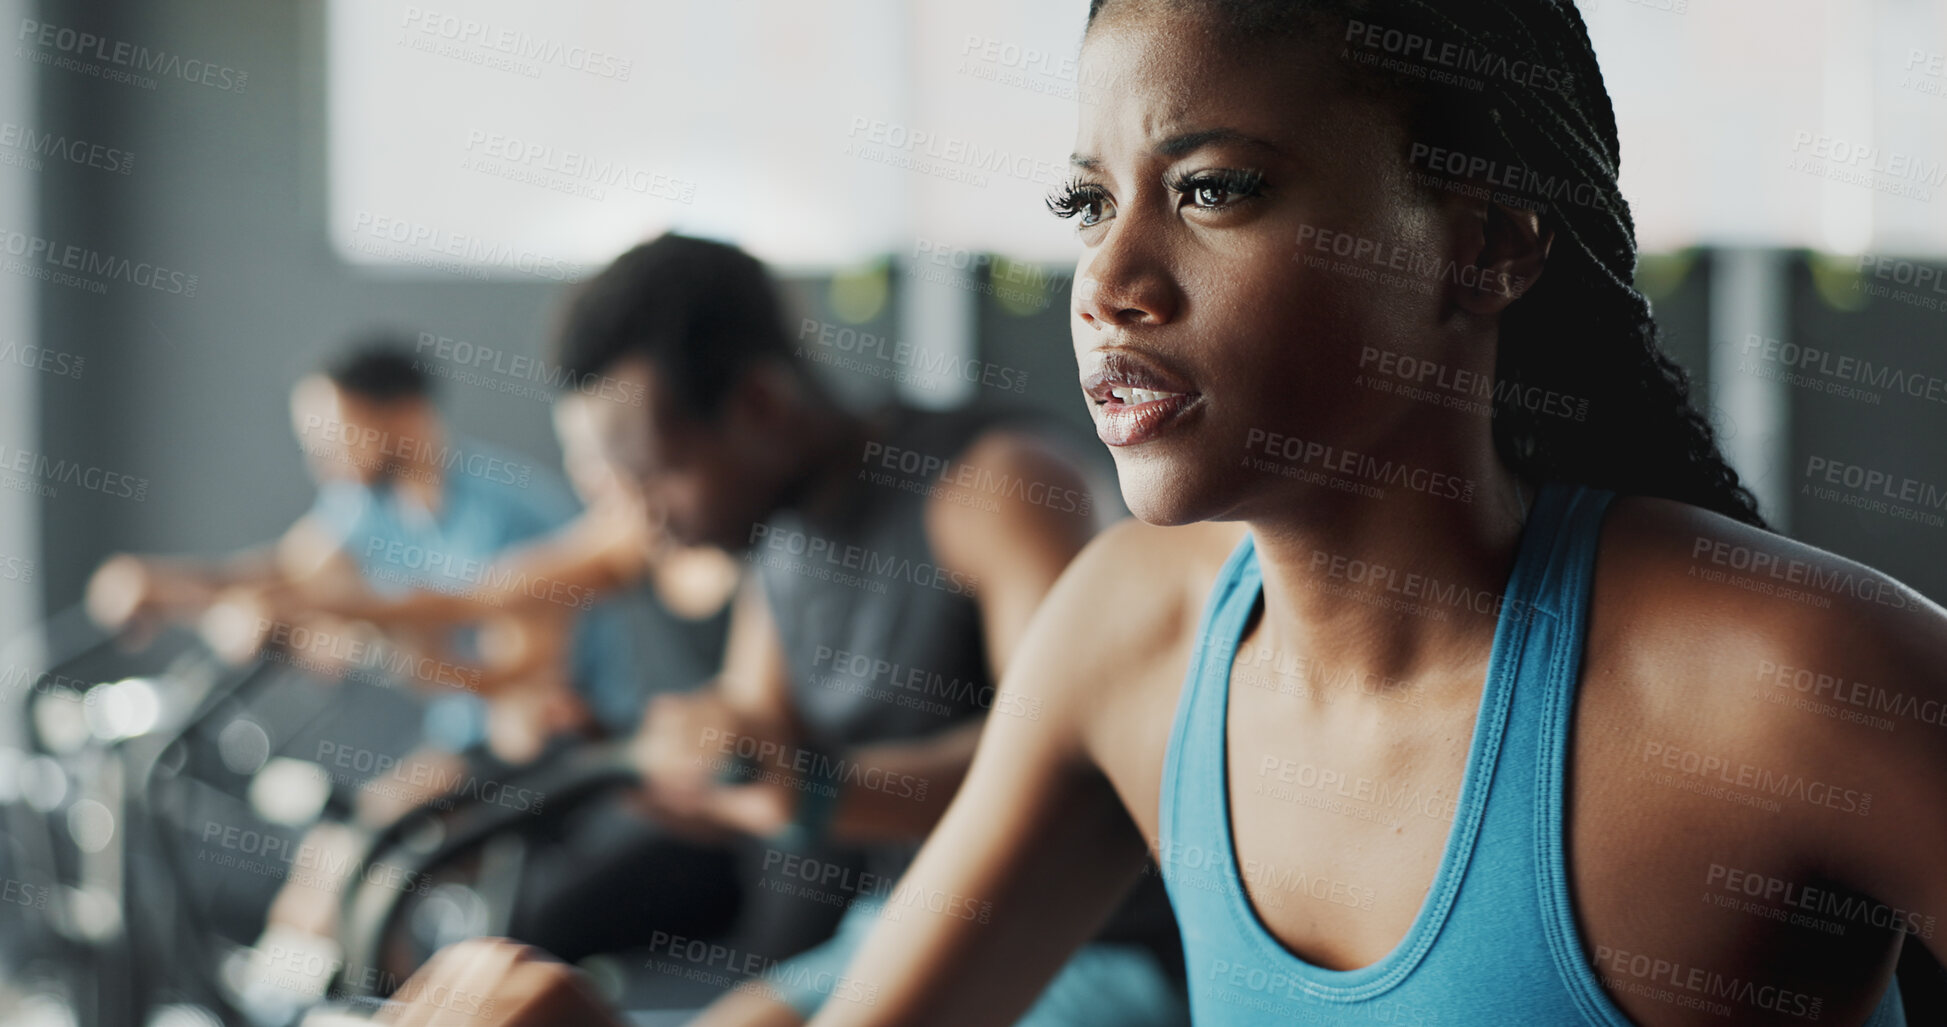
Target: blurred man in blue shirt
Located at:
point(403, 503)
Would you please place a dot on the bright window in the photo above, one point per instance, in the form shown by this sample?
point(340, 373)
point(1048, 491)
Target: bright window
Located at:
point(504, 137)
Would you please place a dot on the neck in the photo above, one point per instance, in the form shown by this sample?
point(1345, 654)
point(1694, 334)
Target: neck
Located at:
point(1406, 587)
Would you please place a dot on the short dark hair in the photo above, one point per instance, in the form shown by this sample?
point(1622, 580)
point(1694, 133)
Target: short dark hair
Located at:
point(702, 312)
point(379, 367)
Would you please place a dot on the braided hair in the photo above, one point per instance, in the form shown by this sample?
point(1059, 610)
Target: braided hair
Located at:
point(1528, 99)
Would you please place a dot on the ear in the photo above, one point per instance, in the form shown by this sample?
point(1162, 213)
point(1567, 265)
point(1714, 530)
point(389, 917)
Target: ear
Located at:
point(1503, 262)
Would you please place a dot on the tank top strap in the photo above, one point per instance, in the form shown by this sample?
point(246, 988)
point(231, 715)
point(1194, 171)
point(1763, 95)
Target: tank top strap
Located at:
point(1232, 597)
point(1552, 691)
point(1573, 514)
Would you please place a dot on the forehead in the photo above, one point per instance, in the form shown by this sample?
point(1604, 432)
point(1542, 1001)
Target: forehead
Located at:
point(1165, 69)
point(574, 416)
point(629, 408)
point(622, 393)
point(342, 404)
point(313, 394)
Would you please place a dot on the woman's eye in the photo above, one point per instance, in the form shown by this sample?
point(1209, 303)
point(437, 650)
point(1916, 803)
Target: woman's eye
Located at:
point(1088, 204)
point(1210, 194)
point(1217, 190)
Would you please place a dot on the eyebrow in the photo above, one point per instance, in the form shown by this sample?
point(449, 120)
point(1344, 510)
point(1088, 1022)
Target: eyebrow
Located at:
point(1185, 143)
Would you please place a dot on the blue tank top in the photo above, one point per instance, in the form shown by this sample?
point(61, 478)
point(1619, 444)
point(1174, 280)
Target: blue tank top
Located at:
point(1495, 941)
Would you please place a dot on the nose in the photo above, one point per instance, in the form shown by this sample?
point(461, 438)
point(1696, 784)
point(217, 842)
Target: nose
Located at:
point(1123, 281)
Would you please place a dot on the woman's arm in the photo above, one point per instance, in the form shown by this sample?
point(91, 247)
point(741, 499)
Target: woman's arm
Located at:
point(1032, 855)
point(1897, 655)
point(1029, 861)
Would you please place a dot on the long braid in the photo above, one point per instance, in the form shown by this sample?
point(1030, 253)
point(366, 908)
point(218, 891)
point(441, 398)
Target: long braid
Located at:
point(1583, 329)
point(1644, 435)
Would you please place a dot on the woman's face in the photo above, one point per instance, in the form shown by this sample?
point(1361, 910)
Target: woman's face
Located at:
point(1209, 325)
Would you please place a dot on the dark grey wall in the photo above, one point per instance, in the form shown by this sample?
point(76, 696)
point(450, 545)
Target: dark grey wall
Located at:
point(1900, 434)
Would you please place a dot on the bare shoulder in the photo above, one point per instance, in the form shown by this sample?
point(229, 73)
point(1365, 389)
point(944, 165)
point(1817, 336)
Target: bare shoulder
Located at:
point(1723, 556)
point(1675, 577)
point(1712, 642)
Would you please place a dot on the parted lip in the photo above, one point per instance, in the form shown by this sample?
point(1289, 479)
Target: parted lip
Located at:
point(1119, 367)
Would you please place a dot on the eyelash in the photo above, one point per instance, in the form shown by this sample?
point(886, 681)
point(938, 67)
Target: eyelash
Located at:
point(1240, 185)
point(1075, 196)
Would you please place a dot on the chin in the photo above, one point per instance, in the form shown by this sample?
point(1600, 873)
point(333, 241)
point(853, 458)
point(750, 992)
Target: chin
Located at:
point(1160, 492)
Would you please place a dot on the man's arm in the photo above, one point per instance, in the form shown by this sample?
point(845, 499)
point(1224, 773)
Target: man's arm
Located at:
point(1018, 551)
point(311, 553)
point(1012, 548)
point(128, 588)
point(1014, 554)
point(563, 571)
point(680, 745)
